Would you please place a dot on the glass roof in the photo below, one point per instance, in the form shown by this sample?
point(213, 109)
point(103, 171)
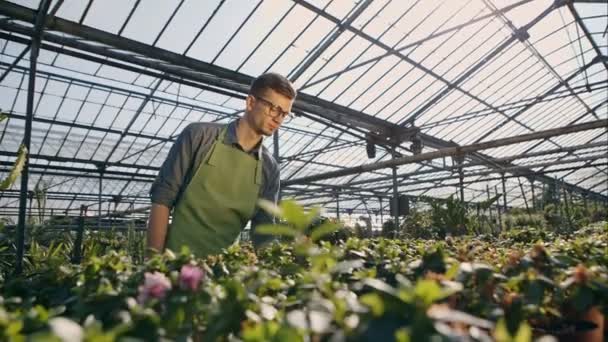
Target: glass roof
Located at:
point(117, 81)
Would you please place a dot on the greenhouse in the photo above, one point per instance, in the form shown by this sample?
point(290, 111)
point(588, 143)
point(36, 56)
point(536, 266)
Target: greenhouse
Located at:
point(441, 173)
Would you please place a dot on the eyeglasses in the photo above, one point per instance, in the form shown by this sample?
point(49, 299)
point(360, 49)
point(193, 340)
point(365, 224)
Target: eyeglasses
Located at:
point(275, 111)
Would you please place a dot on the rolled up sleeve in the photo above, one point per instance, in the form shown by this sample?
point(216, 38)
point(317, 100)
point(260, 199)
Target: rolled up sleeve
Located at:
point(167, 185)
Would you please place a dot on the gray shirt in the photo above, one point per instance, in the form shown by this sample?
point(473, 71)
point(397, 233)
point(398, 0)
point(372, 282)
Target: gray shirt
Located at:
point(187, 154)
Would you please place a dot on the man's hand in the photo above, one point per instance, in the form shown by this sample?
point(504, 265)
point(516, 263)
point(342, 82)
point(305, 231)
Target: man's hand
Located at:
point(157, 227)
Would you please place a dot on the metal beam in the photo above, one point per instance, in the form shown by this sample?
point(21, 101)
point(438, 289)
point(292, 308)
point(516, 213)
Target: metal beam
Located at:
point(521, 34)
point(384, 189)
point(319, 192)
point(74, 172)
point(38, 21)
point(418, 42)
point(83, 161)
point(509, 159)
point(132, 93)
point(462, 150)
point(88, 127)
point(62, 195)
point(581, 23)
point(537, 100)
point(15, 62)
point(306, 63)
point(201, 72)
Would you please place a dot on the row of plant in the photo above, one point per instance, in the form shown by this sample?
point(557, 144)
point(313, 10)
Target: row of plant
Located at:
point(307, 288)
point(435, 218)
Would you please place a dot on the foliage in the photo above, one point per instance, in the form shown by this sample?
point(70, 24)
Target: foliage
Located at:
point(513, 220)
point(16, 170)
point(310, 289)
point(418, 224)
point(389, 229)
point(449, 216)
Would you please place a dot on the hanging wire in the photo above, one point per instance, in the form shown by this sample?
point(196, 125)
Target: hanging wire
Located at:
point(580, 46)
point(559, 10)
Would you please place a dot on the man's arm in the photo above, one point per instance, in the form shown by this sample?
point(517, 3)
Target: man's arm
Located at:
point(157, 227)
point(167, 186)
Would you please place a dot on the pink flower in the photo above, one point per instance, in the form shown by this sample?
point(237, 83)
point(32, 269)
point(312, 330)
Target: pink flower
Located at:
point(155, 286)
point(190, 277)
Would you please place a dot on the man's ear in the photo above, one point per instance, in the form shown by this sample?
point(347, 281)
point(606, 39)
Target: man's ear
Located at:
point(249, 103)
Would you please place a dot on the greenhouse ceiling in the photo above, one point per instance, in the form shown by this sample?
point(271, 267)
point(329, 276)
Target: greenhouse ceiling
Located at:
point(117, 80)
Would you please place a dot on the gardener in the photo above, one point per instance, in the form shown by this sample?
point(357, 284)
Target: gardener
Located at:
point(214, 175)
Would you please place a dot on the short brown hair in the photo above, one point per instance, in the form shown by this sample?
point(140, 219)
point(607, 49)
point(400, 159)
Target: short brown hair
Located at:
point(274, 81)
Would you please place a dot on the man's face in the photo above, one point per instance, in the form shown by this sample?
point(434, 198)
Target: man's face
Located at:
point(266, 112)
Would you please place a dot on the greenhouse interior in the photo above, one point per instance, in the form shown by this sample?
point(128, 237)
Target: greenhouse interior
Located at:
point(443, 176)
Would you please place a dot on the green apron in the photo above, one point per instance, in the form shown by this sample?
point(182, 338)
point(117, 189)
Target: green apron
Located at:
point(218, 201)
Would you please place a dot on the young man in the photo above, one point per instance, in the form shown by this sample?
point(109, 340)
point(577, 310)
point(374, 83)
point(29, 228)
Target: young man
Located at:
point(214, 175)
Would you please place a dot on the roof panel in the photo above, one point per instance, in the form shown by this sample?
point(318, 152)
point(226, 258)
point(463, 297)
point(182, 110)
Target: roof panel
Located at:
point(442, 38)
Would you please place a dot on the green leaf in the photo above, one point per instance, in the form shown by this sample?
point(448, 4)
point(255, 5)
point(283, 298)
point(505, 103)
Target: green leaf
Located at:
point(14, 328)
point(488, 203)
point(3, 117)
point(523, 334)
point(16, 170)
point(323, 230)
point(429, 291)
point(294, 214)
point(270, 208)
point(287, 334)
point(402, 335)
point(452, 271)
point(276, 229)
point(374, 302)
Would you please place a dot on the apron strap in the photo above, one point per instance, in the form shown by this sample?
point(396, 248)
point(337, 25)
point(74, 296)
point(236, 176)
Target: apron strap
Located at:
point(258, 168)
point(212, 160)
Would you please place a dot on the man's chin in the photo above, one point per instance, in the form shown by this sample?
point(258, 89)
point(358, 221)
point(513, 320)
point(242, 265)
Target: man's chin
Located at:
point(268, 132)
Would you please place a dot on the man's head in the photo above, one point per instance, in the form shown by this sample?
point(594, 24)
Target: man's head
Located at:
point(269, 103)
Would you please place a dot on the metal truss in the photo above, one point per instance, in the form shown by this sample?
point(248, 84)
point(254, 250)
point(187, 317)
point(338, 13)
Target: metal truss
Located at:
point(347, 101)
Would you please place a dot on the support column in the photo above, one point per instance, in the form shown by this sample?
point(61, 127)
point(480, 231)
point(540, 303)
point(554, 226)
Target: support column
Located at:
point(490, 207)
point(533, 194)
point(567, 208)
point(31, 88)
point(523, 194)
point(542, 202)
point(585, 204)
point(478, 207)
point(338, 204)
point(381, 211)
point(558, 199)
point(30, 197)
point(504, 193)
point(99, 209)
point(275, 145)
point(395, 195)
point(498, 211)
point(77, 251)
point(461, 179)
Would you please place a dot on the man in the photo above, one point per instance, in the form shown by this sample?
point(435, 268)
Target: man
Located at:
point(214, 175)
